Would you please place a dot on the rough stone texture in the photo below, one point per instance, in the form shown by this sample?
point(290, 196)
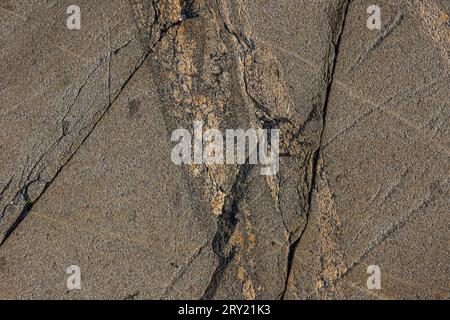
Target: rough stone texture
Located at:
point(86, 176)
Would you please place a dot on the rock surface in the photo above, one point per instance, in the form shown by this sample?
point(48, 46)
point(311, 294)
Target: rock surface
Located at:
point(85, 146)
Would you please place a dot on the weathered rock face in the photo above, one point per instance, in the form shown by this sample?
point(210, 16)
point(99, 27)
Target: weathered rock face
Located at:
point(85, 146)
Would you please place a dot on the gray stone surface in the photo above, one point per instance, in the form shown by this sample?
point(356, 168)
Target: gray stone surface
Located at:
point(85, 143)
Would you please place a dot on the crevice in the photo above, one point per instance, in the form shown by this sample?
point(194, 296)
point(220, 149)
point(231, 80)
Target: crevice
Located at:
point(226, 224)
point(132, 296)
point(117, 50)
point(187, 13)
point(267, 120)
point(21, 194)
point(317, 153)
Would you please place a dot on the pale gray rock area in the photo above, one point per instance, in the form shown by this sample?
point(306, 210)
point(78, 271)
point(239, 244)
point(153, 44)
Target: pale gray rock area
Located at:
point(86, 176)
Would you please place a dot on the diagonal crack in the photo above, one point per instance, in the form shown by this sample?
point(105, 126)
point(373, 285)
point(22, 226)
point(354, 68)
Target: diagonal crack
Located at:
point(30, 203)
point(184, 269)
point(5, 187)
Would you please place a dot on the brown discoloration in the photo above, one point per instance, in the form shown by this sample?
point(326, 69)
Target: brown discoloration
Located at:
point(197, 63)
point(435, 22)
point(248, 290)
point(332, 254)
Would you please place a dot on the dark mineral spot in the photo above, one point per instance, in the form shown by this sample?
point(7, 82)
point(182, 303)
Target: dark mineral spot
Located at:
point(133, 107)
